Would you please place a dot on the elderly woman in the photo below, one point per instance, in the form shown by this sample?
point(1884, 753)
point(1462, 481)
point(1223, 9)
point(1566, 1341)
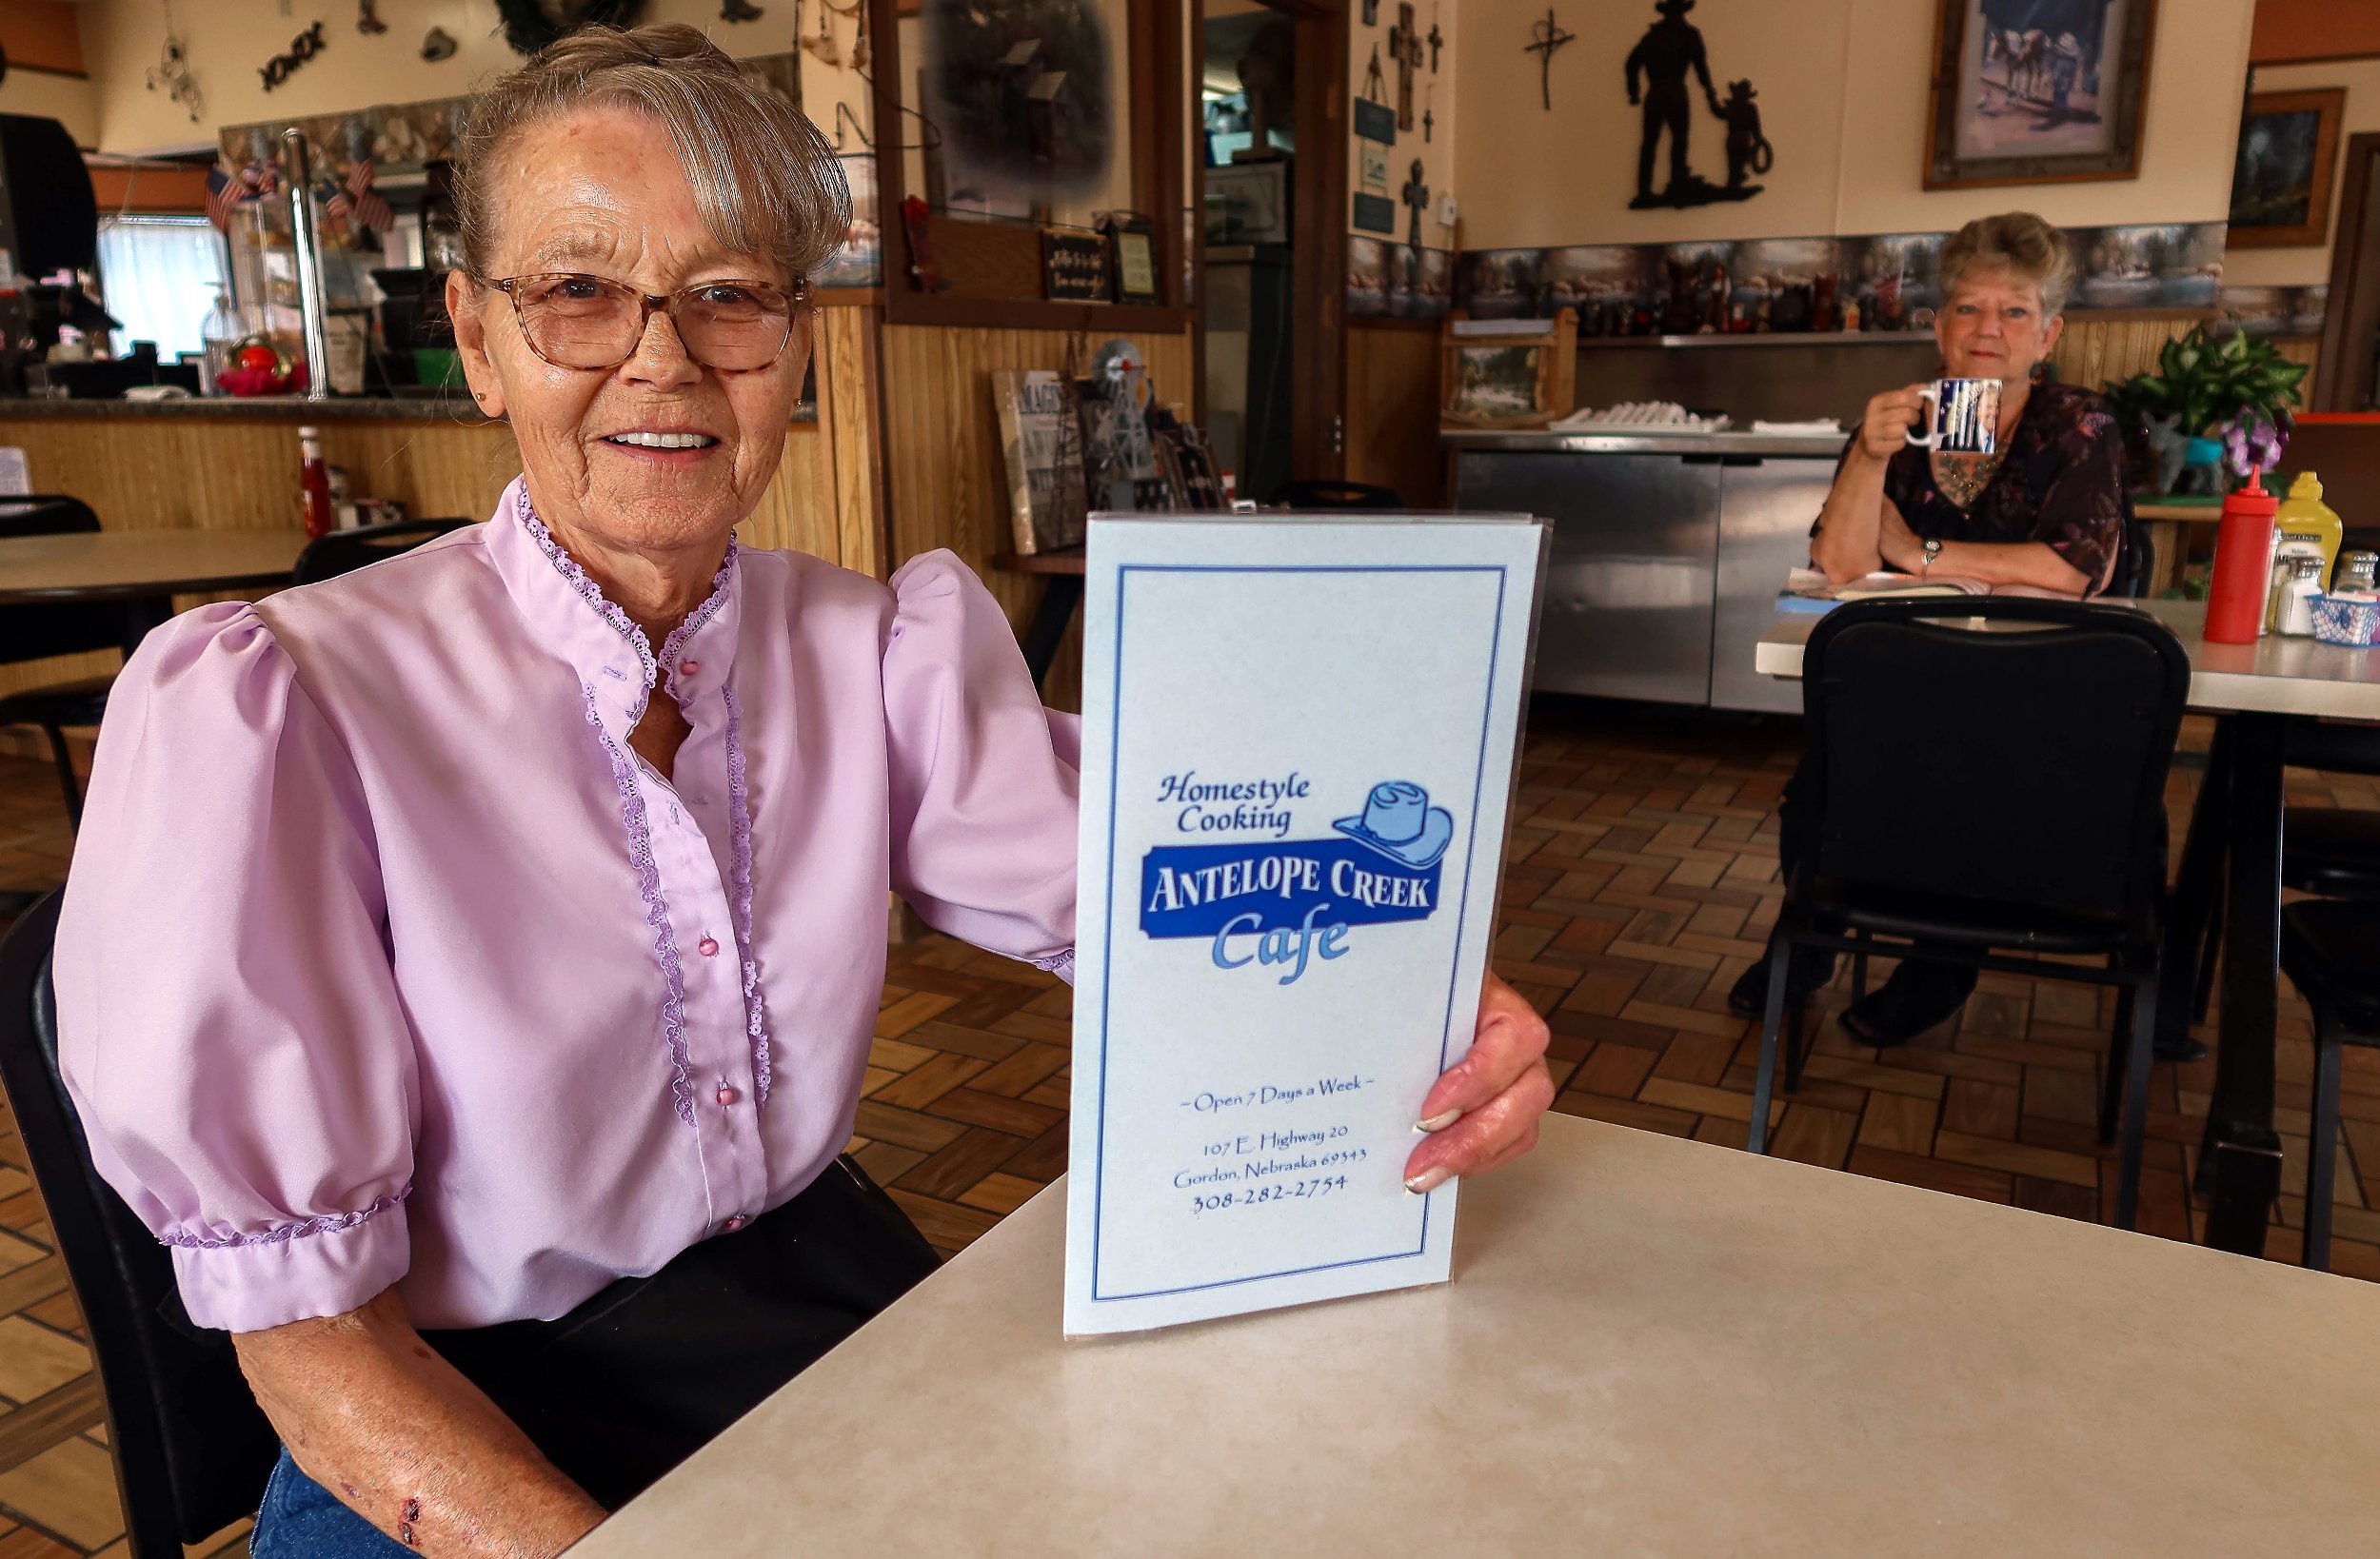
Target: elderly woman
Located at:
point(469, 963)
point(2045, 511)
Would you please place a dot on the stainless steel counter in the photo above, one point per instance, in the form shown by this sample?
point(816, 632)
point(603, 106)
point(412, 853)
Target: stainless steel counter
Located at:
point(1667, 553)
point(1599, 441)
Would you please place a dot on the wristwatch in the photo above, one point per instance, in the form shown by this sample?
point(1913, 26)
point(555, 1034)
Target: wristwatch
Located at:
point(1934, 550)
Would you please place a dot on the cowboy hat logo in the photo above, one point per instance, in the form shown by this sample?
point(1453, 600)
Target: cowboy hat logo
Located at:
point(1398, 821)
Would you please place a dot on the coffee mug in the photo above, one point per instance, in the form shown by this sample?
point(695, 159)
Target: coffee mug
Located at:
point(1964, 417)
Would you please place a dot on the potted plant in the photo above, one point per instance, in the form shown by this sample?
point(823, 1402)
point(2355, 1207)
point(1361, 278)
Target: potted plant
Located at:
point(2209, 384)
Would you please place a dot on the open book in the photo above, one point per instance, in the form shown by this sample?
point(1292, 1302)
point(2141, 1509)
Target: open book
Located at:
point(1808, 590)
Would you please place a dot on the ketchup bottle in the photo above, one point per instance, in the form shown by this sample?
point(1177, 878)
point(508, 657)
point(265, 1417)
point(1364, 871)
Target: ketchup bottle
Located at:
point(2238, 595)
point(314, 481)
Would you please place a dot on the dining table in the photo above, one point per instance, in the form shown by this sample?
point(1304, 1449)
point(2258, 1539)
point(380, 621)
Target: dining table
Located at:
point(141, 571)
point(1650, 1346)
point(2268, 696)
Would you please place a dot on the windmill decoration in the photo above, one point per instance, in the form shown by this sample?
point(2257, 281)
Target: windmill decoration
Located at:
point(1545, 37)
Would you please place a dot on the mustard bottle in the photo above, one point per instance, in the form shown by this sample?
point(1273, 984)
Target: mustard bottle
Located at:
point(2304, 513)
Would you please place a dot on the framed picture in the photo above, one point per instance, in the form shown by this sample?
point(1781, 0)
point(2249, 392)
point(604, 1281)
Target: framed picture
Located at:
point(1507, 373)
point(2289, 153)
point(1073, 266)
point(2037, 91)
point(1135, 240)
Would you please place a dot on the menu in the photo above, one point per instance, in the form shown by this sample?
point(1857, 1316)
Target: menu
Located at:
point(1298, 736)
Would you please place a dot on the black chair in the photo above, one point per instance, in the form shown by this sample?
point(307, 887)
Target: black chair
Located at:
point(1973, 791)
point(192, 1449)
point(2331, 850)
point(2136, 563)
point(1331, 493)
point(35, 633)
point(2330, 951)
point(344, 551)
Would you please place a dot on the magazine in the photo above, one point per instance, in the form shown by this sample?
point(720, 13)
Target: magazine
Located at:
point(1041, 436)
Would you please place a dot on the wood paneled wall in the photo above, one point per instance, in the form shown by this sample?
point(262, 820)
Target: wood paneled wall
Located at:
point(2093, 351)
point(945, 482)
point(1392, 411)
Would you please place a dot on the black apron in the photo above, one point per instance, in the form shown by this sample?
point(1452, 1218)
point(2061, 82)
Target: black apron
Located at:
point(637, 1379)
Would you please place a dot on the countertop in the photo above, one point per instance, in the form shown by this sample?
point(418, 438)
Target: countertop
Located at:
point(289, 408)
point(1599, 441)
point(1650, 1347)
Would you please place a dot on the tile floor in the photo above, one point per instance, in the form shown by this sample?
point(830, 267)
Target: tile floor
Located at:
point(1642, 877)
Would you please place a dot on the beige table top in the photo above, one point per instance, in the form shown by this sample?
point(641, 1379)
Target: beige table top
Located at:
point(115, 564)
point(1650, 1347)
point(2276, 675)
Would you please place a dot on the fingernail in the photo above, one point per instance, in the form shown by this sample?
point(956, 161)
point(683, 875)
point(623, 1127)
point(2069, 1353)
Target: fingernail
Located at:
point(1428, 1180)
point(1438, 1122)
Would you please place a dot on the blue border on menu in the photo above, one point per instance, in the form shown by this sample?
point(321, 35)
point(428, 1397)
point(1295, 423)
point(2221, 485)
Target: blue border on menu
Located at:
point(1115, 723)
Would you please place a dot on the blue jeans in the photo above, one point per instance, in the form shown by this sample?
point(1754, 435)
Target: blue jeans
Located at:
point(300, 1519)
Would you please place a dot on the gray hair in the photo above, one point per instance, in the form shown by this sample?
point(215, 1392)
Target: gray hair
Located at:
point(765, 179)
point(2019, 243)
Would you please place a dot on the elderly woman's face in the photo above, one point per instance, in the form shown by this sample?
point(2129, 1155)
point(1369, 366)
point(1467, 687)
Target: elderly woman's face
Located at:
point(604, 194)
point(1993, 327)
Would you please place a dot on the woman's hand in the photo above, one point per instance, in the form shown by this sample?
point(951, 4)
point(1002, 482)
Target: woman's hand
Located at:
point(1483, 1114)
point(1884, 431)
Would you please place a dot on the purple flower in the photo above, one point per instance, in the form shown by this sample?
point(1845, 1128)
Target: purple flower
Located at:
point(2252, 441)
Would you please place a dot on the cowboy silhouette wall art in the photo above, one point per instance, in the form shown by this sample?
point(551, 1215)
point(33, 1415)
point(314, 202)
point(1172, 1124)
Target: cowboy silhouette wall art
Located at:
point(1656, 68)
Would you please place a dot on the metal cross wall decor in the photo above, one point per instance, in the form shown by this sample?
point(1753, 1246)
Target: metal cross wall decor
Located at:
point(1436, 39)
point(1416, 195)
point(1545, 37)
point(1375, 84)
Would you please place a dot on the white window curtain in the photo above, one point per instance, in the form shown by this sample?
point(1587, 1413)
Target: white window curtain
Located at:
point(159, 275)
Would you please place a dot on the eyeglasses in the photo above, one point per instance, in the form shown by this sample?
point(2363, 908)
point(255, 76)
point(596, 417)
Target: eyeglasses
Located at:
point(585, 322)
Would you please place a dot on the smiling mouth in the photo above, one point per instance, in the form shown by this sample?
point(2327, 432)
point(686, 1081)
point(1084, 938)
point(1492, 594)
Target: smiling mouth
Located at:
point(662, 441)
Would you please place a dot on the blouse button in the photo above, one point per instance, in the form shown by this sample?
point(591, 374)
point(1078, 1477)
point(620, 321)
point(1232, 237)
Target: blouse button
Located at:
point(708, 947)
point(728, 1095)
point(734, 1223)
point(688, 668)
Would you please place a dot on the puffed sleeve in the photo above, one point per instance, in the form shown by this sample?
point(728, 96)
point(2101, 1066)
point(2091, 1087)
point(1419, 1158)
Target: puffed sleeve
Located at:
point(983, 778)
point(228, 1021)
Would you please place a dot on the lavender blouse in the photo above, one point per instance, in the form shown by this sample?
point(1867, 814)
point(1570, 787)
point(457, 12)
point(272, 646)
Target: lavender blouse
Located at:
point(384, 960)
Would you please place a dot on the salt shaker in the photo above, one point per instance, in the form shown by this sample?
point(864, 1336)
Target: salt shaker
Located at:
point(2304, 587)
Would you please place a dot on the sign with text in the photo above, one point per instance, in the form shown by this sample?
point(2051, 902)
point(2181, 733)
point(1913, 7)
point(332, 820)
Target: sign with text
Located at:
point(1296, 763)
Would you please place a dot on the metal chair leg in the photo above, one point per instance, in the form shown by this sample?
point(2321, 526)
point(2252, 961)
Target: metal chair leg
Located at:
point(1772, 1026)
point(2136, 1061)
point(2119, 1049)
point(67, 781)
point(2322, 1160)
point(1859, 967)
point(2210, 961)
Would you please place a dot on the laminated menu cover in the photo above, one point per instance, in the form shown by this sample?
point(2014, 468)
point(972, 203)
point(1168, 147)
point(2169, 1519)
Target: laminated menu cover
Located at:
point(1298, 736)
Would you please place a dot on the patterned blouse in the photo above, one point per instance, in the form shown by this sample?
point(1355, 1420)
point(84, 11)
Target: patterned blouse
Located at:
point(2060, 480)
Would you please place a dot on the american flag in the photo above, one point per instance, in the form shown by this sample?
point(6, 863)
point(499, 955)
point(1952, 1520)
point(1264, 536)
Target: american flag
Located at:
point(223, 192)
point(356, 205)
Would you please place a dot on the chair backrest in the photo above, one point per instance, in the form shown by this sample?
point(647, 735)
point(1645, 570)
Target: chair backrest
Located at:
point(2019, 767)
point(344, 551)
point(1331, 493)
point(2137, 564)
point(35, 633)
point(45, 514)
point(192, 1449)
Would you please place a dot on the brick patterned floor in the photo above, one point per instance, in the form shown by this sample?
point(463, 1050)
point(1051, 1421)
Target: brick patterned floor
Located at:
point(1642, 878)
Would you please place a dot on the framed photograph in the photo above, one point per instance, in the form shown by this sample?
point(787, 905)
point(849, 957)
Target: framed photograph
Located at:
point(1073, 266)
point(2037, 91)
point(2289, 153)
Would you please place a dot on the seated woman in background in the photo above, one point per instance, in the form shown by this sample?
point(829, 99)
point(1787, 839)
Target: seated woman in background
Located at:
point(2046, 511)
